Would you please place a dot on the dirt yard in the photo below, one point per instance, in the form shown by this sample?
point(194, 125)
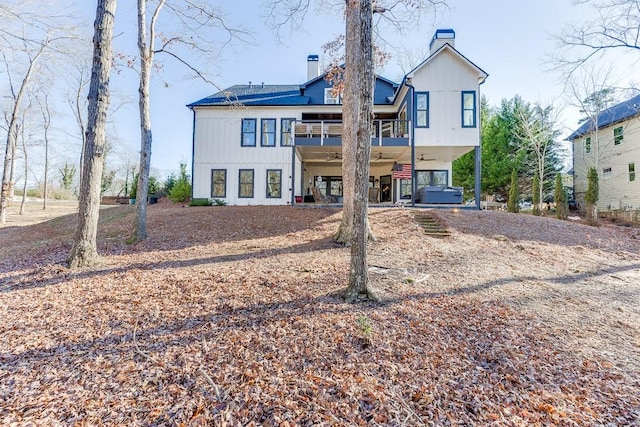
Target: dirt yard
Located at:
point(229, 315)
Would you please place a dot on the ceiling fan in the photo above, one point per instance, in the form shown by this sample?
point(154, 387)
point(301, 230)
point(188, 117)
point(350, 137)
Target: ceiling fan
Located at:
point(380, 157)
point(334, 156)
point(422, 159)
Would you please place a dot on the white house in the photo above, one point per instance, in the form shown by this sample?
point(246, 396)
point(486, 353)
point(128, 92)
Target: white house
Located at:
point(281, 144)
point(613, 148)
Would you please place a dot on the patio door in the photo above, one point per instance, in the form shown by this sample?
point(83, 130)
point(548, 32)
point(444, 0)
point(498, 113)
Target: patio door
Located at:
point(385, 188)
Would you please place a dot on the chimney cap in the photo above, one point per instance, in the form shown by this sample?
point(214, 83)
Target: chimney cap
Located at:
point(312, 58)
point(443, 33)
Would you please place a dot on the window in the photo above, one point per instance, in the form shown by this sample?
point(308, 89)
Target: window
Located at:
point(330, 97)
point(248, 132)
point(632, 172)
point(285, 132)
point(218, 183)
point(405, 188)
point(432, 178)
point(606, 173)
point(468, 109)
point(268, 132)
point(587, 145)
point(274, 183)
point(422, 110)
point(245, 189)
point(617, 136)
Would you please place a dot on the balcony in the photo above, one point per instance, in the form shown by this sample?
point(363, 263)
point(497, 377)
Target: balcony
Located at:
point(388, 133)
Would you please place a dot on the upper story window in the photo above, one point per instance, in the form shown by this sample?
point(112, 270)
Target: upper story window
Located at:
point(587, 145)
point(468, 109)
point(422, 110)
point(285, 132)
point(632, 171)
point(248, 133)
point(268, 133)
point(330, 97)
point(606, 173)
point(618, 135)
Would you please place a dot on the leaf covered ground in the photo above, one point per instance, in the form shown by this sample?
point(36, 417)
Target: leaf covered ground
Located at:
point(230, 316)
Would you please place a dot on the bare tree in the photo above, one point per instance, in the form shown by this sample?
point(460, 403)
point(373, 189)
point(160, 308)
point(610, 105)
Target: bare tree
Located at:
point(198, 23)
point(615, 27)
point(29, 32)
point(43, 103)
point(23, 141)
point(17, 95)
point(537, 127)
point(84, 251)
point(78, 80)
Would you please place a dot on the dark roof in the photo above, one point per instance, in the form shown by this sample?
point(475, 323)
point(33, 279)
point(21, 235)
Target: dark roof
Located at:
point(610, 116)
point(255, 94)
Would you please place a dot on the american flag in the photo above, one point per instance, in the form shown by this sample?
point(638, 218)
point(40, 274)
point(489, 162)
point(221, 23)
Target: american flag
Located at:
point(402, 173)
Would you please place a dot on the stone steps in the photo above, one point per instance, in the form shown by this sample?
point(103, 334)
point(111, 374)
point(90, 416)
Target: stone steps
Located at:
point(430, 226)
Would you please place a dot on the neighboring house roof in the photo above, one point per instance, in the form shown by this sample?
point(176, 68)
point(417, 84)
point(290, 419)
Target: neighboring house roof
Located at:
point(447, 46)
point(610, 116)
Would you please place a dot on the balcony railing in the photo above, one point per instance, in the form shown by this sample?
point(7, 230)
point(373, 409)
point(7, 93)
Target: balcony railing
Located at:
point(329, 132)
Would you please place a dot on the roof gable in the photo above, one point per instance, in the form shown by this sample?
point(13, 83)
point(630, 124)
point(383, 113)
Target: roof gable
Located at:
point(482, 75)
point(610, 116)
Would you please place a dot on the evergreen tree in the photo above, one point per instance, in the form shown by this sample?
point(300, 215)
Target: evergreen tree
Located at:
point(591, 197)
point(560, 199)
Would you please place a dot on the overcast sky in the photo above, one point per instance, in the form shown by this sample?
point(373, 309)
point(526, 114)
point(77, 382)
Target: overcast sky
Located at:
point(509, 39)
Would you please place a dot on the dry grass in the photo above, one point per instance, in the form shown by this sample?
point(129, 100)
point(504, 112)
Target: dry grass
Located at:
point(227, 316)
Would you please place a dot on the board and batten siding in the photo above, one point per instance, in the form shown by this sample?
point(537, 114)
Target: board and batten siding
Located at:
point(617, 191)
point(445, 77)
point(217, 145)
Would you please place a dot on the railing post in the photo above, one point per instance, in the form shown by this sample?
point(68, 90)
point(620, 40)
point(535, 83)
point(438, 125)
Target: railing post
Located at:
point(321, 132)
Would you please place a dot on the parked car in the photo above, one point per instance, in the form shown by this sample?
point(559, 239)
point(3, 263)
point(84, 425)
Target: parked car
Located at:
point(524, 205)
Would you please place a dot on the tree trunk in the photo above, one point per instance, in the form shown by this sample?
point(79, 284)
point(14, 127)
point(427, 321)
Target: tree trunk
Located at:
point(84, 252)
point(146, 51)
point(357, 117)
point(46, 121)
point(26, 171)
point(352, 106)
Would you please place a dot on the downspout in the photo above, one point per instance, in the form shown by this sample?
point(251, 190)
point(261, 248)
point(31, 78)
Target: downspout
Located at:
point(292, 178)
point(478, 160)
point(408, 82)
point(193, 149)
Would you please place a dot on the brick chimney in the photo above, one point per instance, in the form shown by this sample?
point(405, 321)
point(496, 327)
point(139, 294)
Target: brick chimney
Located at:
point(313, 67)
point(440, 38)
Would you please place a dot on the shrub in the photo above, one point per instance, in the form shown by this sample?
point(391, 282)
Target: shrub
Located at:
point(181, 189)
point(200, 202)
